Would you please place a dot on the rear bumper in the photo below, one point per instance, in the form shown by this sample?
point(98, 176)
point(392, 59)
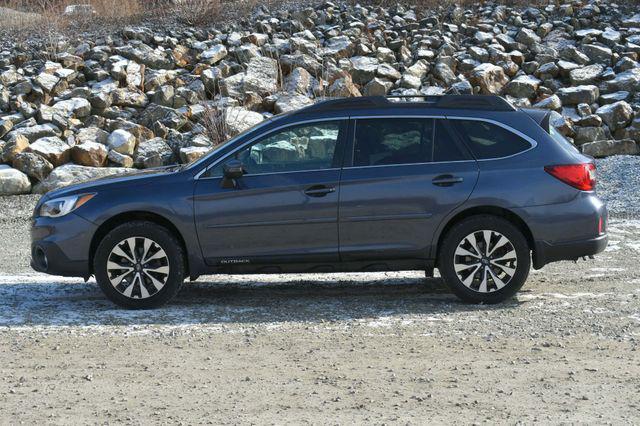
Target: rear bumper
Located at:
point(546, 252)
point(567, 231)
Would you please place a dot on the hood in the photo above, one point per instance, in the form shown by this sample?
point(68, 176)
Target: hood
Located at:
point(111, 182)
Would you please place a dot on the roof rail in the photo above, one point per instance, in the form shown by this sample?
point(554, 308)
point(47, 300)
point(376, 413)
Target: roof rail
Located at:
point(477, 102)
point(486, 102)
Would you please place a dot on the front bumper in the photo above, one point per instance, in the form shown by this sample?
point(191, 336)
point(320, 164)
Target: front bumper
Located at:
point(61, 246)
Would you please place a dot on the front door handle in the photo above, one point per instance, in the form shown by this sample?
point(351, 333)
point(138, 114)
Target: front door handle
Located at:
point(319, 190)
point(446, 180)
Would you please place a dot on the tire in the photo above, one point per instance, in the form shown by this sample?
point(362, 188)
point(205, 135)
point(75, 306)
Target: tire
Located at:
point(124, 276)
point(470, 273)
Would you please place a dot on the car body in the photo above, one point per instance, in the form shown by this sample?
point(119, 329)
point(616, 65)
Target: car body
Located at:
point(348, 206)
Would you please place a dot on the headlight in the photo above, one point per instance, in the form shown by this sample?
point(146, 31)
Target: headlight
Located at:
point(62, 206)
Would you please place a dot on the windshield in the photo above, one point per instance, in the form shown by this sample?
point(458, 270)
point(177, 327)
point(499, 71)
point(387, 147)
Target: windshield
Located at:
point(222, 145)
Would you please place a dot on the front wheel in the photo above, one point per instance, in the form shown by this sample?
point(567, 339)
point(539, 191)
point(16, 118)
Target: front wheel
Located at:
point(484, 259)
point(139, 265)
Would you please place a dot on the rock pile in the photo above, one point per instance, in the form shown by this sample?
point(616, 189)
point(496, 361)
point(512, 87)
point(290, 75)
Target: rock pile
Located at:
point(140, 98)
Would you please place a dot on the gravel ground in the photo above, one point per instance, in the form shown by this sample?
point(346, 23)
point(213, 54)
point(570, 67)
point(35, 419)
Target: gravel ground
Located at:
point(619, 184)
point(340, 348)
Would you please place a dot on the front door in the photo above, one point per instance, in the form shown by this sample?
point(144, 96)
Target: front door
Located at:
point(285, 207)
point(405, 176)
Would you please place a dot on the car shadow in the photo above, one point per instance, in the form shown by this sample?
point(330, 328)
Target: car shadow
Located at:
point(219, 300)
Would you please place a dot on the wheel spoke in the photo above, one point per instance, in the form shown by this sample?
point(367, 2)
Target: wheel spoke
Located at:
point(117, 280)
point(483, 283)
point(464, 252)
point(474, 243)
point(159, 255)
point(508, 270)
point(502, 241)
point(160, 269)
point(119, 252)
point(467, 282)
point(487, 241)
point(158, 284)
point(499, 283)
point(460, 267)
point(131, 243)
point(509, 256)
point(147, 246)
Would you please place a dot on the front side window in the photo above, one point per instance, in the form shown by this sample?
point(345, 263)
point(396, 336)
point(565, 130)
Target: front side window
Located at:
point(487, 140)
point(387, 141)
point(297, 148)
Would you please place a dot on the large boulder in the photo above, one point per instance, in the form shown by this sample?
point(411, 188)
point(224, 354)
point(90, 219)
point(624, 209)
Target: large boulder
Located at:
point(363, 69)
point(611, 147)
point(153, 153)
point(91, 154)
point(143, 54)
point(260, 77)
point(122, 141)
point(528, 37)
point(13, 147)
point(70, 174)
point(71, 108)
point(585, 75)
point(239, 119)
point(32, 165)
point(53, 149)
point(291, 102)
point(523, 86)
point(92, 134)
point(587, 94)
point(13, 182)
point(192, 153)
point(489, 78)
point(33, 133)
point(616, 115)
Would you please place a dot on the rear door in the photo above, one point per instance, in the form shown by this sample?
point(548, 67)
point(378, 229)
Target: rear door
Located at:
point(402, 177)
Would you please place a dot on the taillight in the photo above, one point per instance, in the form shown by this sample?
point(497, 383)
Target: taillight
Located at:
point(580, 176)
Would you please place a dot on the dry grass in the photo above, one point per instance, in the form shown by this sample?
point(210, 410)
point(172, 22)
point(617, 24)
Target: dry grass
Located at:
point(215, 124)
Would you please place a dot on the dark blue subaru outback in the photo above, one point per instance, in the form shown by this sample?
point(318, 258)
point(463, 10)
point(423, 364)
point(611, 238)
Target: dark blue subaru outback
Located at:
point(467, 184)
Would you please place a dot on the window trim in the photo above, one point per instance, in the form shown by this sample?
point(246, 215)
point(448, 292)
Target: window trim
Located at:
point(530, 140)
point(214, 163)
point(350, 139)
point(508, 128)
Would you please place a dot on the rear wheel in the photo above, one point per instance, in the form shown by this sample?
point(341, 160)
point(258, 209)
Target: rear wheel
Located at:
point(139, 265)
point(484, 259)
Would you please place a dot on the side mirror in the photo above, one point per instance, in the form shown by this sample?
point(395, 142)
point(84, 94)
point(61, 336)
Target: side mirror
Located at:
point(232, 170)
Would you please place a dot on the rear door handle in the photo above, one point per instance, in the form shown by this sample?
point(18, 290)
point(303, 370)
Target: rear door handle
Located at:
point(319, 190)
point(446, 180)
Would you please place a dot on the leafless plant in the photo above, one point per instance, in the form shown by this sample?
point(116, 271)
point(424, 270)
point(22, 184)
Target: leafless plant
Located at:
point(214, 122)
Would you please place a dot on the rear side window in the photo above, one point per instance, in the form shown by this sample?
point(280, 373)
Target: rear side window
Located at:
point(488, 140)
point(388, 141)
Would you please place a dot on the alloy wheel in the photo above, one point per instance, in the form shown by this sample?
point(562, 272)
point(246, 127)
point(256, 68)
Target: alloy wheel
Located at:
point(138, 267)
point(485, 261)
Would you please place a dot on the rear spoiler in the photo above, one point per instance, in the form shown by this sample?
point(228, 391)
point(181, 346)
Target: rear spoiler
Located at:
point(540, 116)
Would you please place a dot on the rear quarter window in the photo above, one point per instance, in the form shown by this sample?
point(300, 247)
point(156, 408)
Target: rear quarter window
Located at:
point(487, 140)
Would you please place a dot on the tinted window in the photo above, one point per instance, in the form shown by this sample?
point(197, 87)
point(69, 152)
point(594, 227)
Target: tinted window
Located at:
point(446, 146)
point(393, 141)
point(297, 148)
point(487, 140)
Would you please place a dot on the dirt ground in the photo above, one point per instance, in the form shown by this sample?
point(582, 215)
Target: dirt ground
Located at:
point(373, 348)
